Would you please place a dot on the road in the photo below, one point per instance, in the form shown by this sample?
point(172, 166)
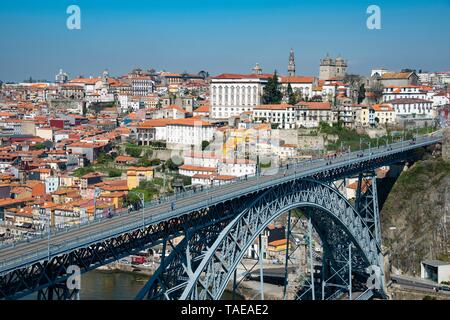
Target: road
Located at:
point(64, 241)
point(417, 283)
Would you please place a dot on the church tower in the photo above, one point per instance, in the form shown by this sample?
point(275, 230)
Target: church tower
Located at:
point(291, 65)
point(257, 69)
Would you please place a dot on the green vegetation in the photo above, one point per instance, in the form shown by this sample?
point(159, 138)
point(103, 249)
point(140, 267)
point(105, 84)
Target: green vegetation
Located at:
point(186, 180)
point(292, 97)
point(104, 158)
point(96, 107)
point(351, 138)
point(265, 165)
point(272, 93)
point(39, 146)
point(444, 257)
point(274, 125)
point(82, 171)
point(346, 137)
point(413, 179)
point(133, 151)
point(416, 207)
point(113, 173)
point(205, 144)
point(171, 165)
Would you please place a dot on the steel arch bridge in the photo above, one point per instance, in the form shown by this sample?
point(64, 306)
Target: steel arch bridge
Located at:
point(212, 222)
point(205, 273)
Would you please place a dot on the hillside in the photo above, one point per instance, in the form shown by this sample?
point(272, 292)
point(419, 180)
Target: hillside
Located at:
point(416, 215)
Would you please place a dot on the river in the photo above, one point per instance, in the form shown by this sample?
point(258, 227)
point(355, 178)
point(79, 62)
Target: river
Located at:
point(115, 285)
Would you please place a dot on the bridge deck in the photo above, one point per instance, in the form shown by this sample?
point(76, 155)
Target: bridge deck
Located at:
point(63, 241)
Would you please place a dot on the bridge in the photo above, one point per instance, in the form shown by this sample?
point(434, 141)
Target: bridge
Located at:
point(218, 226)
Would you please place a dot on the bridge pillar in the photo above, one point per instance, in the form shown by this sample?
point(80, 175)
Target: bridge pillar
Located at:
point(58, 291)
point(366, 204)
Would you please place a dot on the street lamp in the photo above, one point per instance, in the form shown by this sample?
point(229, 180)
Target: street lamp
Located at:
point(43, 212)
point(97, 192)
point(141, 196)
point(361, 141)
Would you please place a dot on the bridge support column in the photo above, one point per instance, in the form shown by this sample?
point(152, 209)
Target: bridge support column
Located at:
point(367, 206)
point(261, 268)
point(350, 271)
point(288, 237)
point(58, 291)
point(311, 262)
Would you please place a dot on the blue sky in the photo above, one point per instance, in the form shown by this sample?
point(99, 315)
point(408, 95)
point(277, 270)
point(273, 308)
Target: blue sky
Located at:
point(218, 36)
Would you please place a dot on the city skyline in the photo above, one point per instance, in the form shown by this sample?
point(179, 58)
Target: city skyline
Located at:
point(218, 37)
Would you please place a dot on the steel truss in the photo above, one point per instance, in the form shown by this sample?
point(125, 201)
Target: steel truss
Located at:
point(53, 274)
point(209, 279)
point(49, 274)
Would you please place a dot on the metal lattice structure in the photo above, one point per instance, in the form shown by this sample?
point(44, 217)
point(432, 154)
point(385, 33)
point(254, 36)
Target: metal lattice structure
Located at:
point(219, 260)
point(217, 226)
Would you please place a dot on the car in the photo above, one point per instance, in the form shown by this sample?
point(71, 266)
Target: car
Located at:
point(124, 261)
point(148, 264)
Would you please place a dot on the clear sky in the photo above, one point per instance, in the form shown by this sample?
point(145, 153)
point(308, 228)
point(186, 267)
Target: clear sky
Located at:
point(218, 36)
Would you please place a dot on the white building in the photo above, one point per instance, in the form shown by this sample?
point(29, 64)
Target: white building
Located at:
point(441, 99)
point(310, 114)
point(409, 107)
point(51, 184)
point(237, 167)
point(150, 131)
point(281, 114)
point(404, 92)
point(141, 85)
point(170, 112)
point(435, 270)
point(189, 132)
point(301, 85)
point(380, 72)
point(233, 94)
point(384, 113)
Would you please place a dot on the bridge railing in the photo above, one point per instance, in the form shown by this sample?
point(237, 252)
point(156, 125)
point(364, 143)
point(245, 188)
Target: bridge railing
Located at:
point(98, 235)
point(304, 164)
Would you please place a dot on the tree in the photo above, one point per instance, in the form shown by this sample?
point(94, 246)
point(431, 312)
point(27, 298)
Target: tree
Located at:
point(272, 93)
point(133, 151)
point(361, 93)
point(84, 110)
point(171, 165)
point(292, 97)
point(112, 173)
point(39, 146)
point(104, 158)
point(205, 144)
point(316, 98)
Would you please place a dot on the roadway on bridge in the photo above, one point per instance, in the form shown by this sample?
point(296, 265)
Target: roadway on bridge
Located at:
point(26, 253)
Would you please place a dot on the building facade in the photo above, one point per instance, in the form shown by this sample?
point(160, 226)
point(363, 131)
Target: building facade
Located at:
point(233, 94)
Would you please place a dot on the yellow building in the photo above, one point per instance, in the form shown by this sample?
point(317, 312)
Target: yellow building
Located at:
point(137, 174)
point(277, 246)
point(116, 198)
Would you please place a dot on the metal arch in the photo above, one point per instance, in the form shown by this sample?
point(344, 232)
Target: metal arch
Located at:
point(222, 257)
point(165, 281)
point(39, 276)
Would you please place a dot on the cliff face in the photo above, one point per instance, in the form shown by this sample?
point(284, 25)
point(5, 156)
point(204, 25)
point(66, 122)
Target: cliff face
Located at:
point(416, 216)
point(446, 145)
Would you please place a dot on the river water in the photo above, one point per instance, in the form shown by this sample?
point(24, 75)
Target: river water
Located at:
point(115, 285)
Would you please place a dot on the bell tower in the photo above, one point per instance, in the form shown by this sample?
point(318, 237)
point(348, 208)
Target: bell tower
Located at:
point(291, 65)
